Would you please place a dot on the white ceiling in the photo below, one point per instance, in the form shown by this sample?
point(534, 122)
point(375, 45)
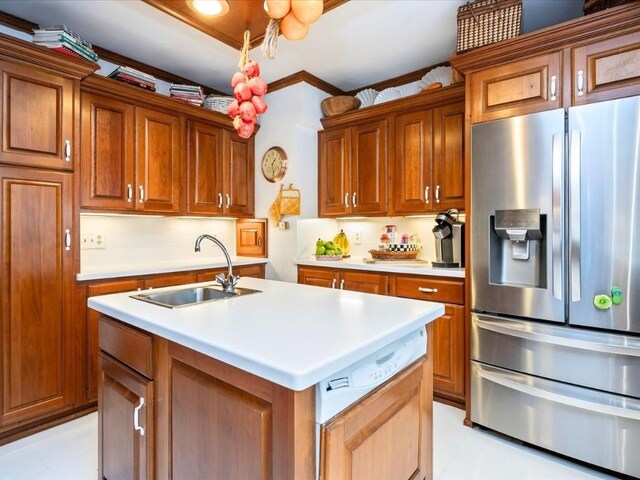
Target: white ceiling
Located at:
point(359, 43)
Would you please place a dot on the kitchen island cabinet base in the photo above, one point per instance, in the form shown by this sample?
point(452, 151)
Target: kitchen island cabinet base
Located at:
point(213, 420)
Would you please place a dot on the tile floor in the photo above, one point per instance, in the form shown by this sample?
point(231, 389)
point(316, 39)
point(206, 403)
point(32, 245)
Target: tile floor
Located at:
point(70, 452)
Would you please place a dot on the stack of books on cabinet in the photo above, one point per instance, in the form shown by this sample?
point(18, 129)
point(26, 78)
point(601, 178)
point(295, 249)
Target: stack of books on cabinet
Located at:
point(64, 40)
point(134, 77)
point(187, 93)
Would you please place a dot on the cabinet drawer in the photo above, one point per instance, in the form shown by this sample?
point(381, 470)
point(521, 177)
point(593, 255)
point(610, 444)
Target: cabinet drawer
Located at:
point(130, 346)
point(428, 288)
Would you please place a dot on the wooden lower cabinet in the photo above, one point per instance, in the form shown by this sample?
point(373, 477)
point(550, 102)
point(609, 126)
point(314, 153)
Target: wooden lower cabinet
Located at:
point(353, 280)
point(386, 435)
point(203, 418)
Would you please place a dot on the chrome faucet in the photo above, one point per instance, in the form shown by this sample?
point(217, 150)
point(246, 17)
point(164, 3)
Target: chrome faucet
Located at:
point(228, 283)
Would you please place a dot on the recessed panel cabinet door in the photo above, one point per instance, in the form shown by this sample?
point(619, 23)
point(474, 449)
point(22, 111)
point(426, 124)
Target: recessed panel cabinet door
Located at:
point(38, 353)
point(448, 157)
point(412, 192)
point(159, 161)
point(239, 177)
point(205, 182)
point(107, 161)
point(448, 351)
point(369, 168)
point(37, 118)
point(334, 147)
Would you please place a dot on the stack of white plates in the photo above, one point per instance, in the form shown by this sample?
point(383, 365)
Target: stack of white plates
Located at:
point(367, 97)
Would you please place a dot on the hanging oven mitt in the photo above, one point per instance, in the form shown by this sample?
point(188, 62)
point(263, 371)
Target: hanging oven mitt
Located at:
point(289, 200)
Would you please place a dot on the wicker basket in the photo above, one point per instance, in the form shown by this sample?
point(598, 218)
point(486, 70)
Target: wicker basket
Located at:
point(339, 104)
point(487, 21)
point(592, 6)
point(387, 255)
point(218, 103)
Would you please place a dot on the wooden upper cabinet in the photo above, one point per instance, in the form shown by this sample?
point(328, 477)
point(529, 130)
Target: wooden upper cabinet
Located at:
point(37, 117)
point(239, 177)
point(158, 160)
point(36, 279)
point(369, 168)
point(334, 159)
point(251, 238)
point(606, 69)
point(517, 88)
point(448, 157)
point(412, 173)
point(205, 180)
point(107, 159)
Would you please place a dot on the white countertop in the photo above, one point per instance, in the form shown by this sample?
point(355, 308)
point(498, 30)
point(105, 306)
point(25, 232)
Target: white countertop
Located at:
point(293, 335)
point(415, 267)
point(128, 270)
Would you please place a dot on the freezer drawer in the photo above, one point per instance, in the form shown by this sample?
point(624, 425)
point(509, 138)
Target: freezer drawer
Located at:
point(598, 428)
point(604, 361)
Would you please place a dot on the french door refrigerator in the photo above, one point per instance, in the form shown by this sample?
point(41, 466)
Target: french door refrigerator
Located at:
point(555, 279)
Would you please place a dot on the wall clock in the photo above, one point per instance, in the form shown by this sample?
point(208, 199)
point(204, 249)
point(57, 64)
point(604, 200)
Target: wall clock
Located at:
point(274, 164)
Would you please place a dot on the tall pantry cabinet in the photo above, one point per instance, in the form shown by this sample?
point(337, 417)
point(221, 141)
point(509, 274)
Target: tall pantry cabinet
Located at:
point(39, 121)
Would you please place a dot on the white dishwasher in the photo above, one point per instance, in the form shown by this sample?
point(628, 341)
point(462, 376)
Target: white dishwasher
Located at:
point(344, 388)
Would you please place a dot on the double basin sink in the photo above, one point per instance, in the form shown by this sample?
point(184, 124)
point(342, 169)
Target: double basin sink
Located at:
point(191, 296)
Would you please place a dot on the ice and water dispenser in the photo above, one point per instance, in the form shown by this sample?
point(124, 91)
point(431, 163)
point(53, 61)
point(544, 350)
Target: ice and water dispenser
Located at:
point(517, 248)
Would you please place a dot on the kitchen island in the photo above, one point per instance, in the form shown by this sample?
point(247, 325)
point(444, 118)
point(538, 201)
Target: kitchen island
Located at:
point(227, 389)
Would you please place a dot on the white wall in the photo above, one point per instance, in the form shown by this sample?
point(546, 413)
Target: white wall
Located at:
point(147, 241)
point(292, 122)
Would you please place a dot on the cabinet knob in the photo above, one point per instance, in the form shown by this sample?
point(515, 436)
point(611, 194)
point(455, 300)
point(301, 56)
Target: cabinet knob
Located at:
point(353, 199)
point(427, 290)
point(67, 150)
point(228, 200)
point(342, 284)
point(219, 200)
point(426, 194)
point(136, 418)
point(346, 199)
point(580, 83)
point(554, 87)
point(129, 192)
point(437, 193)
point(67, 239)
point(333, 283)
point(141, 199)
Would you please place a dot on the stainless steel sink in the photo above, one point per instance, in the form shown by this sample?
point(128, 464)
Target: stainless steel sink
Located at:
point(191, 296)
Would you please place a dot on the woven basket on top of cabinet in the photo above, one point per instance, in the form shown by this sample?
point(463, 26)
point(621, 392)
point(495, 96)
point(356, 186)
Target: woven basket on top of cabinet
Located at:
point(487, 21)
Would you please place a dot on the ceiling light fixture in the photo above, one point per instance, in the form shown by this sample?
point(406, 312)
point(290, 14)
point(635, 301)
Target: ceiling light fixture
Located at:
point(209, 7)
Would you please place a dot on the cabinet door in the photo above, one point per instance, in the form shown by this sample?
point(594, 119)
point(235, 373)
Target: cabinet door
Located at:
point(255, 271)
point(526, 86)
point(448, 352)
point(365, 282)
point(239, 176)
point(369, 168)
point(37, 118)
point(205, 181)
point(38, 333)
point(93, 316)
point(159, 161)
point(124, 451)
point(412, 175)
point(251, 238)
point(448, 157)
point(107, 160)
point(388, 434)
point(334, 155)
point(606, 70)
point(318, 277)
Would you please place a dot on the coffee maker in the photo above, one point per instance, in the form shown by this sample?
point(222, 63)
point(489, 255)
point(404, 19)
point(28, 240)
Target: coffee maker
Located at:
point(449, 234)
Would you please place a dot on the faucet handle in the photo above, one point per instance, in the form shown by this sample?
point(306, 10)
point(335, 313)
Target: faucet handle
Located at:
point(233, 279)
point(222, 280)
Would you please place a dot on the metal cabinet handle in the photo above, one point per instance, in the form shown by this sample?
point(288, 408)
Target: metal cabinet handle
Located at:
point(67, 150)
point(580, 83)
point(426, 194)
point(67, 239)
point(260, 241)
point(136, 418)
point(141, 199)
point(353, 199)
point(333, 283)
point(228, 200)
point(342, 284)
point(129, 192)
point(437, 193)
point(427, 290)
point(554, 87)
point(346, 199)
point(219, 200)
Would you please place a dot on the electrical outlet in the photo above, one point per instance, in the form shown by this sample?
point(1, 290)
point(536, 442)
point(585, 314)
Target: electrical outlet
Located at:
point(357, 238)
point(93, 241)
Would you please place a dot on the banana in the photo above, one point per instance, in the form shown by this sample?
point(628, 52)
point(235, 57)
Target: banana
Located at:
point(342, 241)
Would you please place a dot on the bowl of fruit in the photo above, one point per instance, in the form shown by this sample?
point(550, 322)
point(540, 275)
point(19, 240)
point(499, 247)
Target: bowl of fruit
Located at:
point(326, 250)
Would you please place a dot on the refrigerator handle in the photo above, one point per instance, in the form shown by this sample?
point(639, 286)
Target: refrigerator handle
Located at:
point(574, 214)
point(557, 220)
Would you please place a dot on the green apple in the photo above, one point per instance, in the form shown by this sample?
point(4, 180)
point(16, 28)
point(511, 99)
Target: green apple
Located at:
point(320, 250)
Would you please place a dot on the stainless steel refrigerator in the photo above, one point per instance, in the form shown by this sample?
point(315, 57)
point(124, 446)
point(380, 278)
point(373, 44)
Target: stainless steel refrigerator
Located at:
point(555, 279)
